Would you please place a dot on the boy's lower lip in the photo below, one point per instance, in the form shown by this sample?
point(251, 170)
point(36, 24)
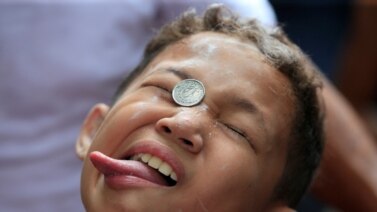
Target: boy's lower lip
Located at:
point(123, 174)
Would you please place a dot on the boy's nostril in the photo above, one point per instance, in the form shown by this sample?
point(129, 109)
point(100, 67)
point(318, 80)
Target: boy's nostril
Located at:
point(187, 142)
point(166, 129)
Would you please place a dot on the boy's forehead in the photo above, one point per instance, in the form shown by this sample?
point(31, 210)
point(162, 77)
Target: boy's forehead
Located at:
point(222, 55)
point(206, 46)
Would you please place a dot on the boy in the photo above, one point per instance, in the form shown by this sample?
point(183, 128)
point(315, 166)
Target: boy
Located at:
point(221, 115)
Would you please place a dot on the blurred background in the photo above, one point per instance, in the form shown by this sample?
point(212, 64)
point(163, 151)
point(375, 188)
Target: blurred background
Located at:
point(58, 58)
point(340, 37)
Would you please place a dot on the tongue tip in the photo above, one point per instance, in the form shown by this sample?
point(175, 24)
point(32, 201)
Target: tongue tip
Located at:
point(95, 155)
point(100, 161)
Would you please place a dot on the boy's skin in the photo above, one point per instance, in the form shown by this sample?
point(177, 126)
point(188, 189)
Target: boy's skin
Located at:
point(218, 168)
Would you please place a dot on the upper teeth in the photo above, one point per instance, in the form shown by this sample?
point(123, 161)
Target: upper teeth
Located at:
point(156, 163)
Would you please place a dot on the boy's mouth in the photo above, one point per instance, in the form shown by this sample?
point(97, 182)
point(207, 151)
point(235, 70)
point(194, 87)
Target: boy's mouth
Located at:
point(140, 169)
point(159, 165)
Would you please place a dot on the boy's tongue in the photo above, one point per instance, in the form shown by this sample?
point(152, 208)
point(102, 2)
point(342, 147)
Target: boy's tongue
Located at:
point(113, 167)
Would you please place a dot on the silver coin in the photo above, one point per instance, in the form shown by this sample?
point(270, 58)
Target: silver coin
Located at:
point(188, 92)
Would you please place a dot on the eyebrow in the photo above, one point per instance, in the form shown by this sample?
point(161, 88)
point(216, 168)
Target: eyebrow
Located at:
point(245, 105)
point(248, 107)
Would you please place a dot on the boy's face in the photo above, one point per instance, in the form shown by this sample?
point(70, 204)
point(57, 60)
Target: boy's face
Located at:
point(227, 153)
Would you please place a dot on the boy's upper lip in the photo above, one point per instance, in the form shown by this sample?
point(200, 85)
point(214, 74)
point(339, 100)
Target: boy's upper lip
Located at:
point(159, 150)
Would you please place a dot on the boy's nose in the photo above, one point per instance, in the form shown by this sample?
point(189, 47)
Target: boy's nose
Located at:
point(183, 129)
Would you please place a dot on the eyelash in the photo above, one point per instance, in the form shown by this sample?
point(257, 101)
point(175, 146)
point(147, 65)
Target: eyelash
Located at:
point(162, 88)
point(237, 131)
point(157, 86)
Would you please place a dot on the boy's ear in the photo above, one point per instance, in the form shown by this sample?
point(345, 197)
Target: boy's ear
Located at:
point(89, 128)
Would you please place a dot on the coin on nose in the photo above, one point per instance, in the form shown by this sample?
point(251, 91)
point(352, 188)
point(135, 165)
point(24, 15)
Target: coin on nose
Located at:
point(188, 92)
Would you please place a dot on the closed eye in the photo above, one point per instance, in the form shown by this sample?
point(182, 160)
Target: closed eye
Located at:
point(240, 134)
point(159, 89)
point(155, 85)
point(236, 130)
point(162, 88)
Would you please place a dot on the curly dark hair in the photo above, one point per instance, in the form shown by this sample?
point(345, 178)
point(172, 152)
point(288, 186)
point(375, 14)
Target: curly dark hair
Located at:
point(306, 135)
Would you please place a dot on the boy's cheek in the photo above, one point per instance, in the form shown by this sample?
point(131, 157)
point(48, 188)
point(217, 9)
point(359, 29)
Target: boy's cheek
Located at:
point(122, 121)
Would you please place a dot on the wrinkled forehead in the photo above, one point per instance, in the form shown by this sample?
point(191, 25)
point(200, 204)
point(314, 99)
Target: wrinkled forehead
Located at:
point(222, 56)
point(209, 44)
point(210, 48)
